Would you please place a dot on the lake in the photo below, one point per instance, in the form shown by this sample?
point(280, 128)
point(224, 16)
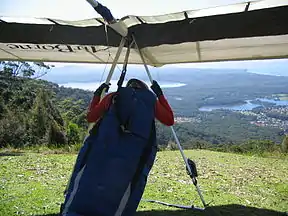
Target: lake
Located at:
point(242, 107)
point(92, 86)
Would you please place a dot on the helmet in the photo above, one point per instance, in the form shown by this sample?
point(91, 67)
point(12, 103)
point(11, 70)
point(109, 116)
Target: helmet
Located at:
point(135, 83)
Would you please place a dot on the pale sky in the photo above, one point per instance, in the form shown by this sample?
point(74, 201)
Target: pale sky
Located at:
point(80, 9)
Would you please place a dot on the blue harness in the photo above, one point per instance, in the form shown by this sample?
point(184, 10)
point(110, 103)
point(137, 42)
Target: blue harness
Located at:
point(112, 167)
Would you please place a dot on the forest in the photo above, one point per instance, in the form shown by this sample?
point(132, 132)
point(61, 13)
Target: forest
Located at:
point(35, 112)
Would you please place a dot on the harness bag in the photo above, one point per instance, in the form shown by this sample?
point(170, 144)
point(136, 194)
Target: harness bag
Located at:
point(111, 169)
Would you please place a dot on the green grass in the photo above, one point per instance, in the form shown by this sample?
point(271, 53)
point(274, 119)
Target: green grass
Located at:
point(33, 183)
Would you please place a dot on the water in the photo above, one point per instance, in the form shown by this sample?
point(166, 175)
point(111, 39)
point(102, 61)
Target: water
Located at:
point(178, 98)
point(246, 106)
point(276, 102)
point(92, 86)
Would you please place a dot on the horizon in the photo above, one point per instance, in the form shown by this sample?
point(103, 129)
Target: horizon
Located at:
point(89, 77)
point(241, 64)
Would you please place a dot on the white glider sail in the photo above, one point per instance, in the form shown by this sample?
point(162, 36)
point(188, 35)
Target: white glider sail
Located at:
point(245, 31)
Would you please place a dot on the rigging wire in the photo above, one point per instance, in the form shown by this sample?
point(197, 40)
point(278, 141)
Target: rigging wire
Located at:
point(109, 55)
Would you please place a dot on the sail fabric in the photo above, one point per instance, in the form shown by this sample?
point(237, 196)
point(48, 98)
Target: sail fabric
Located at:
point(244, 31)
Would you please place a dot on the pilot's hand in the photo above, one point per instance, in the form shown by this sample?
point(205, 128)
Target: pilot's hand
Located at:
point(100, 89)
point(156, 88)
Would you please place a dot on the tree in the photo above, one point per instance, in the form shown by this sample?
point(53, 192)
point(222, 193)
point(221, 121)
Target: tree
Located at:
point(284, 145)
point(73, 133)
point(24, 69)
point(74, 111)
point(47, 123)
point(3, 108)
point(39, 124)
point(28, 115)
point(171, 146)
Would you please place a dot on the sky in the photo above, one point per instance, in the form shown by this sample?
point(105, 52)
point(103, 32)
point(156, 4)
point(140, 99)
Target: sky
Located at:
point(81, 9)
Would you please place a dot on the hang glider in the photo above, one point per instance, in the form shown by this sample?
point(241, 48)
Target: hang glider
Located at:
point(245, 31)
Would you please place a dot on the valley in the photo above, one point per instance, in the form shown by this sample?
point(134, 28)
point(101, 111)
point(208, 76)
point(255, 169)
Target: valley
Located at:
point(211, 105)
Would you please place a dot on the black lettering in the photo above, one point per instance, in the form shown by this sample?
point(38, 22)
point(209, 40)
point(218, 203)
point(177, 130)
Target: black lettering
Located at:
point(46, 47)
point(12, 46)
point(88, 48)
point(85, 48)
point(79, 48)
point(64, 48)
point(25, 46)
point(38, 47)
point(93, 48)
point(59, 47)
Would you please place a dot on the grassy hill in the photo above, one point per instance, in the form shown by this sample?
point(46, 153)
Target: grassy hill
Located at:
point(33, 183)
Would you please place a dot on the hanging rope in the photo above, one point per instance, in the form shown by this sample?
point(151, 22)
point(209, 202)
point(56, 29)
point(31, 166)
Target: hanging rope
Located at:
point(109, 53)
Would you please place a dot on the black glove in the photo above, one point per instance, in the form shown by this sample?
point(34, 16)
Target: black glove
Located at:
point(156, 88)
point(100, 89)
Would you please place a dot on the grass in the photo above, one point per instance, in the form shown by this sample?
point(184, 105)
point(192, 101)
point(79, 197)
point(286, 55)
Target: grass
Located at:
point(33, 183)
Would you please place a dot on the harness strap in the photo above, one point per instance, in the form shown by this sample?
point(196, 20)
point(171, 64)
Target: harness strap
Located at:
point(124, 69)
point(123, 125)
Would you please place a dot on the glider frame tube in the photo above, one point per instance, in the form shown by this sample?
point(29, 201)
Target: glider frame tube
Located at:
point(174, 133)
point(122, 43)
point(174, 205)
point(112, 69)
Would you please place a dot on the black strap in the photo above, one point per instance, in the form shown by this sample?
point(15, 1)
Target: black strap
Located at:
point(124, 70)
point(119, 84)
point(122, 77)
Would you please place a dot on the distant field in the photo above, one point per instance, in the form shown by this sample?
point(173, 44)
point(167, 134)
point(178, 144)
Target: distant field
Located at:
point(33, 184)
point(282, 96)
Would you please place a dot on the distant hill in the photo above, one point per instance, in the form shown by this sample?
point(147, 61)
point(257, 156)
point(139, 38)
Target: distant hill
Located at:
point(95, 73)
point(80, 73)
point(220, 85)
point(203, 87)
